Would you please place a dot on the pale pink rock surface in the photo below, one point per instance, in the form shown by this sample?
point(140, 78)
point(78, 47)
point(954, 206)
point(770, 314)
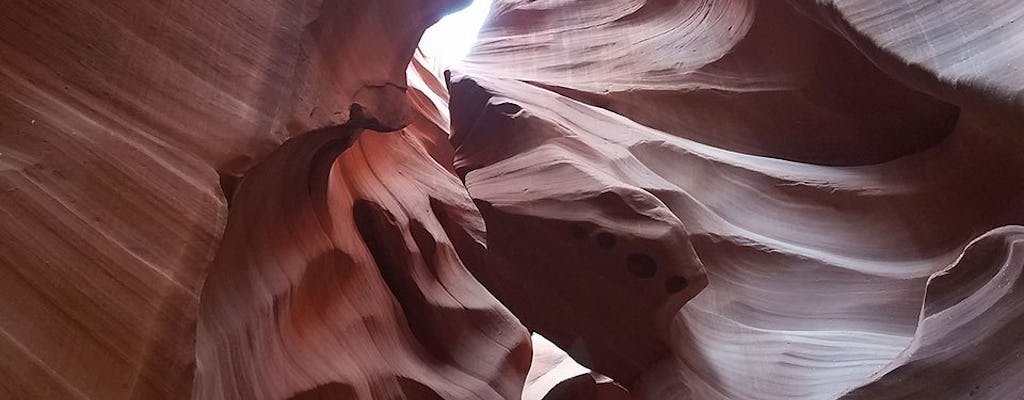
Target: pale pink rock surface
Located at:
point(823, 161)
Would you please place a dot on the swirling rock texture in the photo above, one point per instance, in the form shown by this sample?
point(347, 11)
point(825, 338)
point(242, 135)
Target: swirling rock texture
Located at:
point(125, 132)
point(345, 277)
point(716, 199)
point(847, 173)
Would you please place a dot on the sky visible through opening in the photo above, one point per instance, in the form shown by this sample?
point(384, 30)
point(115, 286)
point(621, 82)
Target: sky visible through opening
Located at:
point(450, 39)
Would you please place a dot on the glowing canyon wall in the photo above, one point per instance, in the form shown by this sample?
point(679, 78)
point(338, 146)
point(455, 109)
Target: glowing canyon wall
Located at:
point(718, 199)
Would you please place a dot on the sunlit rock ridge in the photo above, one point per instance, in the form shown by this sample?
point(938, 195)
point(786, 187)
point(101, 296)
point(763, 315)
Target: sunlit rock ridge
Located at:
point(605, 199)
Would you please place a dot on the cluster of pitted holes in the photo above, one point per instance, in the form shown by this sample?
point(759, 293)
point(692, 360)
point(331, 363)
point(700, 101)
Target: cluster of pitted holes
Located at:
point(638, 264)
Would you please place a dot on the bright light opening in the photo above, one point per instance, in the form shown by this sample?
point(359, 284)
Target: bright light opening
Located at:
point(448, 41)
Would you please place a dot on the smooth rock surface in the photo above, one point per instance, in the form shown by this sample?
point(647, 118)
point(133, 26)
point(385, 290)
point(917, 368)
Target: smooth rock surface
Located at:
point(820, 167)
point(343, 270)
point(717, 199)
point(556, 376)
point(124, 128)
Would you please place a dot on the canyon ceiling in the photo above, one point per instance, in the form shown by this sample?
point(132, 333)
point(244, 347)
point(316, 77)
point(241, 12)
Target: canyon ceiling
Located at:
point(607, 199)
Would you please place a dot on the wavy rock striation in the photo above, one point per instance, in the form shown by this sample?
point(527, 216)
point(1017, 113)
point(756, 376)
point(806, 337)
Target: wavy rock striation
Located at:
point(125, 126)
point(967, 343)
point(717, 199)
point(342, 272)
point(802, 156)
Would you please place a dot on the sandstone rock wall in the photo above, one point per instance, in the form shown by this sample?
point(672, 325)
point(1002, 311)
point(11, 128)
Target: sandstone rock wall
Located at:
point(720, 199)
point(848, 175)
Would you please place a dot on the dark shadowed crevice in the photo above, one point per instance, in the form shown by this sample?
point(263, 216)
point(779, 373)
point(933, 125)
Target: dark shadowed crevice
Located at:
point(414, 390)
point(472, 252)
point(384, 239)
point(329, 391)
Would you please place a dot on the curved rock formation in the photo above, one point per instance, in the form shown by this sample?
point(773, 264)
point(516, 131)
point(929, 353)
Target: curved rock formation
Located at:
point(120, 126)
point(819, 183)
point(717, 199)
point(338, 270)
point(967, 343)
point(556, 376)
point(733, 74)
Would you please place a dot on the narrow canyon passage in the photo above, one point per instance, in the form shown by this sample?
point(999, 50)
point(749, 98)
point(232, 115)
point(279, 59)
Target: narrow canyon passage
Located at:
point(610, 200)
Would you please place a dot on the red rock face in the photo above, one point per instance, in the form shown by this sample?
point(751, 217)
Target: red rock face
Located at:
point(332, 277)
point(724, 199)
point(125, 129)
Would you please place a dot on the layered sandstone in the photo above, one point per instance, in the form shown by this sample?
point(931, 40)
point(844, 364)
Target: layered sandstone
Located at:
point(851, 189)
point(722, 199)
point(125, 134)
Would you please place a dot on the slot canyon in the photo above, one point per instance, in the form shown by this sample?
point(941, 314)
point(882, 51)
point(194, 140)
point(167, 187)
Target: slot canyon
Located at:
point(601, 200)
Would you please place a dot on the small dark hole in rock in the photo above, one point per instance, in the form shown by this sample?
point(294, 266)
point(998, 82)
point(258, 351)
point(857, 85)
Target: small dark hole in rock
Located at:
point(508, 108)
point(641, 265)
point(577, 231)
point(605, 240)
point(675, 284)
